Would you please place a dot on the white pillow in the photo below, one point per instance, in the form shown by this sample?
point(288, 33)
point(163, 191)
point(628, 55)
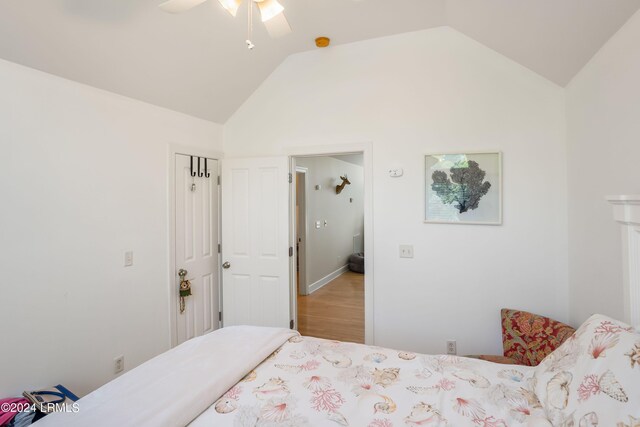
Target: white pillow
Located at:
point(594, 377)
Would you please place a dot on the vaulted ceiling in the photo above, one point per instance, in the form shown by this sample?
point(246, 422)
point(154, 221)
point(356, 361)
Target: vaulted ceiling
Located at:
point(197, 62)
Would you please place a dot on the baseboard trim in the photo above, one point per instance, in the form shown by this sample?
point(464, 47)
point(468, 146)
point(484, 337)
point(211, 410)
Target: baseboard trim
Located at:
point(326, 279)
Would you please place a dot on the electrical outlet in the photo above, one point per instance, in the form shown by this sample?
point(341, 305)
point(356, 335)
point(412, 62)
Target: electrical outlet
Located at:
point(118, 364)
point(406, 251)
point(452, 347)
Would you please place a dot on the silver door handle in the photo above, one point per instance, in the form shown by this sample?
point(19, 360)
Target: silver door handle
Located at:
point(226, 265)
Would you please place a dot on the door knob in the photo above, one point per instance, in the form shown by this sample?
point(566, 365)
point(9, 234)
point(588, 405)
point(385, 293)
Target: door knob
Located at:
point(226, 265)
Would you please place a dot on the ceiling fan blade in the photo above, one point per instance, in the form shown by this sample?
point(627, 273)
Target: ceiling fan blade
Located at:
point(231, 6)
point(177, 6)
point(269, 9)
point(278, 26)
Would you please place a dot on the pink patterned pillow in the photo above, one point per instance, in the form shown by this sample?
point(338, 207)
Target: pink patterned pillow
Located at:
point(593, 379)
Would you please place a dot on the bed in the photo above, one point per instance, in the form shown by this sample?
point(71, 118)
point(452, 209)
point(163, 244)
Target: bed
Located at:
point(249, 376)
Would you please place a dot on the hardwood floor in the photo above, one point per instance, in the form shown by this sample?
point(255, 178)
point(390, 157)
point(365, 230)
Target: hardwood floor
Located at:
point(335, 311)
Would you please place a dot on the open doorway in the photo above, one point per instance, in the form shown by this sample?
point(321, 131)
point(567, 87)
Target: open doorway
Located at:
point(329, 263)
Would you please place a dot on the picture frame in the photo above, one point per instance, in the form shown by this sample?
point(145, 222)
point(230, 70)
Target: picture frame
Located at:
point(463, 188)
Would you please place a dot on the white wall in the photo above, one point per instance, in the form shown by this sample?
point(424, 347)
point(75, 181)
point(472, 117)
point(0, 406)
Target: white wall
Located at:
point(83, 178)
point(328, 248)
point(603, 123)
point(428, 92)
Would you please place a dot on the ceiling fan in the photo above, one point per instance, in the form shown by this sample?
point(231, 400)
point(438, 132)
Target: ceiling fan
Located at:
point(271, 12)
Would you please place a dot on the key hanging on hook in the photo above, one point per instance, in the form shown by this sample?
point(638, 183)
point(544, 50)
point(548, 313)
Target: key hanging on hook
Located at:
point(192, 172)
point(193, 176)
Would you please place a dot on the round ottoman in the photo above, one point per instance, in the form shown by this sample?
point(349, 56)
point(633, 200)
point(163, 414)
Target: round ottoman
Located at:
point(356, 263)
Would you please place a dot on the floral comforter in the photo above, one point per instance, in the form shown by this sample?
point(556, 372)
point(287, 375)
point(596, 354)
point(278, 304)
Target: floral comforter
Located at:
point(315, 382)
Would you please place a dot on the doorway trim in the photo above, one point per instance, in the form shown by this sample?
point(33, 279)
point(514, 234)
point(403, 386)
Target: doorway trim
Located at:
point(366, 148)
point(172, 151)
point(305, 171)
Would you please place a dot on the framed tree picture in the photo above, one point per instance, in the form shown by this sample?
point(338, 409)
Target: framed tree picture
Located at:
point(464, 188)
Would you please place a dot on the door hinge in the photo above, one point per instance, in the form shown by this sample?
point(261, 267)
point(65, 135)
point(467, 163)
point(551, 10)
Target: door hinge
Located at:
point(290, 250)
point(220, 316)
point(219, 248)
point(219, 180)
point(290, 177)
point(291, 325)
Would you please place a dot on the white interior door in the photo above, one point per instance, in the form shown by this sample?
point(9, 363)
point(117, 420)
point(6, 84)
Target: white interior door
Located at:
point(255, 243)
point(196, 241)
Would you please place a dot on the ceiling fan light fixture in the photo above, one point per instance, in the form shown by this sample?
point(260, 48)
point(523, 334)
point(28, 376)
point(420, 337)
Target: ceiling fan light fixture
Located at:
point(231, 6)
point(269, 9)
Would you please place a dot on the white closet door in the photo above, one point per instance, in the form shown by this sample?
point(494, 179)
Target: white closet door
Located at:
point(196, 249)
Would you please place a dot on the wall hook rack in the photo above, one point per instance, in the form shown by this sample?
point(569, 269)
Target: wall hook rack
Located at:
point(200, 173)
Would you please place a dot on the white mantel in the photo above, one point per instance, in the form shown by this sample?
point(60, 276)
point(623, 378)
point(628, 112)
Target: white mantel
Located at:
point(626, 211)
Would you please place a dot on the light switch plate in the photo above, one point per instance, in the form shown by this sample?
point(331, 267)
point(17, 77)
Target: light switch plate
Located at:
point(406, 251)
point(318, 224)
point(128, 259)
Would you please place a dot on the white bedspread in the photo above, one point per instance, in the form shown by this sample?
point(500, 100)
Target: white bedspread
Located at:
point(312, 382)
point(175, 387)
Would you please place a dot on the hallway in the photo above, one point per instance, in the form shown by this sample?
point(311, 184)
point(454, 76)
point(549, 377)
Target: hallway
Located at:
point(335, 311)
